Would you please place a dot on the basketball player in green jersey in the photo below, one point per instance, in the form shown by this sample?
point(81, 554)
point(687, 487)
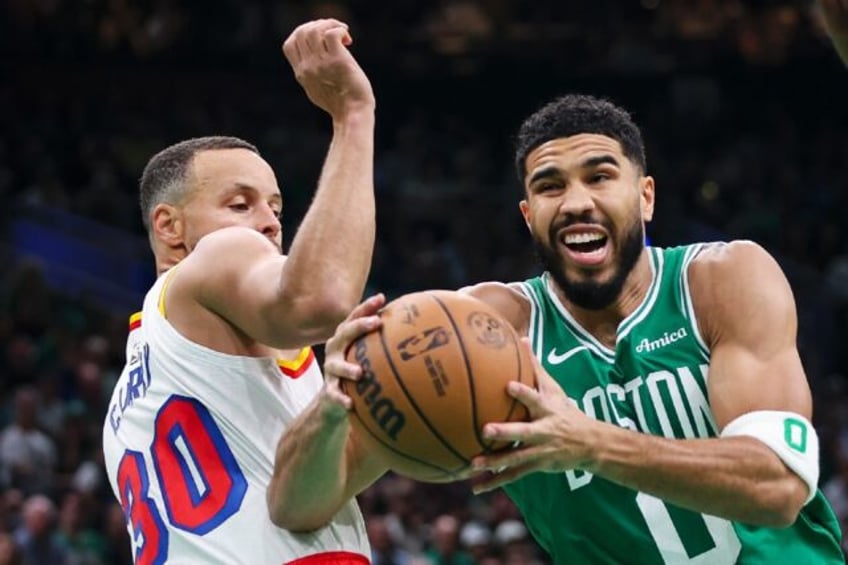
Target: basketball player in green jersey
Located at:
point(671, 422)
point(634, 454)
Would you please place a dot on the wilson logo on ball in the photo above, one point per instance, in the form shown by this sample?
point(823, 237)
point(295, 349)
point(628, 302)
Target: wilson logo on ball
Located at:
point(421, 343)
point(382, 410)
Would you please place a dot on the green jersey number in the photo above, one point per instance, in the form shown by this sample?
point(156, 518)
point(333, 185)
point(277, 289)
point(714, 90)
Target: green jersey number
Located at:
point(703, 539)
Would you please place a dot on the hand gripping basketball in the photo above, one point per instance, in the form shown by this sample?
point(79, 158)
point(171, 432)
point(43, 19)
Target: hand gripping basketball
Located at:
point(432, 377)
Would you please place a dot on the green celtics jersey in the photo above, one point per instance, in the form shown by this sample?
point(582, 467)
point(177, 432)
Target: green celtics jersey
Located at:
point(655, 381)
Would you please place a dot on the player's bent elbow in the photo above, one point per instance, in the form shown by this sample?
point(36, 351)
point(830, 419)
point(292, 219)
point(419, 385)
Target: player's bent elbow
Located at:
point(781, 504)
point(328, 305)
point(333, 312)
point(324, 319)
point(777, 518)
point(316, 319)
point(279, 512)
point(294, 523)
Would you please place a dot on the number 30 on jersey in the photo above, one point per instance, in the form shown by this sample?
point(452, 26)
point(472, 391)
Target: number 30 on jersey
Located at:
point(199, 479)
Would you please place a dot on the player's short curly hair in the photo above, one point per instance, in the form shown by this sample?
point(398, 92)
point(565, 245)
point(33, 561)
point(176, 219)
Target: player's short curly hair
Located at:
point(574, 114)
point(163, 179)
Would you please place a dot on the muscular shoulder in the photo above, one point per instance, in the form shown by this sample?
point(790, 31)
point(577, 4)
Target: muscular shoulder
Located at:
point(218, 262)
point(721, 266)
point(736, 285)
point(227, 249)
point(507, 299)
point(234, 240)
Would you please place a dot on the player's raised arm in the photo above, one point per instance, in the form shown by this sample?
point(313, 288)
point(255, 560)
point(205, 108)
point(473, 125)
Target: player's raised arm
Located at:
point(324, 274)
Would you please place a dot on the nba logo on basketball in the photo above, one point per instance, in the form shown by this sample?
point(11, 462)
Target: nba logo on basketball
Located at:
point(426, 341)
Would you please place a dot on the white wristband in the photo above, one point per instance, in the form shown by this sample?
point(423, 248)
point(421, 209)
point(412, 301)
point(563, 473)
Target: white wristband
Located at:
point(790, 435)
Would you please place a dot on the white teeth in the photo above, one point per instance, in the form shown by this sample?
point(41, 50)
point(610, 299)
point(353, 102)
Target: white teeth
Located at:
point(584, 237)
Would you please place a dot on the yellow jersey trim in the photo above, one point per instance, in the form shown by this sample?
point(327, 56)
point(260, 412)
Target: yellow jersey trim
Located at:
point(167, 282)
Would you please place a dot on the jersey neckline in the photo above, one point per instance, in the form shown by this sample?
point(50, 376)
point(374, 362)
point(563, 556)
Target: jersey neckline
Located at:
point(655, 261)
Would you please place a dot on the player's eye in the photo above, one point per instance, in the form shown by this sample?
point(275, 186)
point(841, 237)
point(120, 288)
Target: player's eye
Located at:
point(547, 186)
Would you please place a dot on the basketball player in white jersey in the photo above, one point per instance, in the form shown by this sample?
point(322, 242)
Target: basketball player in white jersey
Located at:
point(219, 359)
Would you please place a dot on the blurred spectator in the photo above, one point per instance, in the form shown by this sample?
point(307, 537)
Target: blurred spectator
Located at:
point(51, 411)
point(83, 544)
point(114, 529)
point(476, 539)
point(11, 502)
point(10, 553)
point(405, 521)
point(384, 550)
point(444, 543)
point(27, 454)
point(36, 535)
point(513, 539)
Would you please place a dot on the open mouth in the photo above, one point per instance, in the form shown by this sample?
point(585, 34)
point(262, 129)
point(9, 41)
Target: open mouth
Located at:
point(585, 242)
point(587, 248)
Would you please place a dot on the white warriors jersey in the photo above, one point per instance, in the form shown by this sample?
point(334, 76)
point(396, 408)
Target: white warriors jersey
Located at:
point(189, 443)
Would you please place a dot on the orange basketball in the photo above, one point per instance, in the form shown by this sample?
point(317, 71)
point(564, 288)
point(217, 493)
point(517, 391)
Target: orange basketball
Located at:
point(433, 376)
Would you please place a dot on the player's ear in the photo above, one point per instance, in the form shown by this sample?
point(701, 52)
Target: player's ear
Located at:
point(646, 197)
point(525, 211)
point(167, 225)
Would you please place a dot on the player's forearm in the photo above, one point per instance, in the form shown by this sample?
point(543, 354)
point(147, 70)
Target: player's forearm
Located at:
point(308, 485)
point(329, 260)
point(736, 478)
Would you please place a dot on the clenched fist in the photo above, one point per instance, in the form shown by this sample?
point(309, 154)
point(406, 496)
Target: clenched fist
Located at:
point(325, 68)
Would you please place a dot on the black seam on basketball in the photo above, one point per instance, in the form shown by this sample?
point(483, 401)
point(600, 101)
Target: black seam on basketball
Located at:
point(477, 433)
point(436, 434)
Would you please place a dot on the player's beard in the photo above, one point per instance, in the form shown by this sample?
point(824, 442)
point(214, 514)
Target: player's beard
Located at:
point(590, 294)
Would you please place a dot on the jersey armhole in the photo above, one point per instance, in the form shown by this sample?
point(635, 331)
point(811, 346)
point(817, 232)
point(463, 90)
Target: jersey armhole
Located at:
point(688, 305)
point(534, 326)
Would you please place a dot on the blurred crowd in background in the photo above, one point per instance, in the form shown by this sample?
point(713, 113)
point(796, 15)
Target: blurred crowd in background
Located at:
point(743, 108)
